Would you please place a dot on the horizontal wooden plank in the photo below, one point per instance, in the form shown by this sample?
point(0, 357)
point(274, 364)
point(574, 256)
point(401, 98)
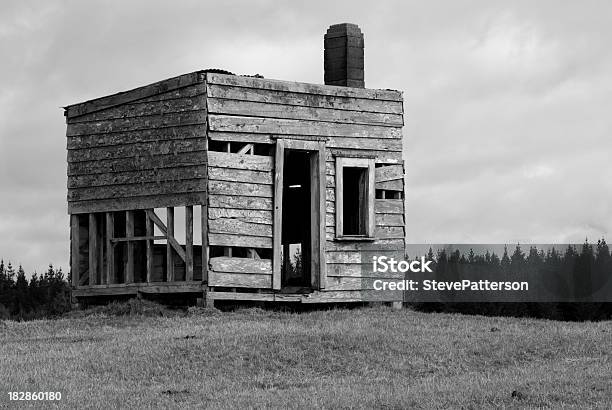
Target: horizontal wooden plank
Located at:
point(149, 90)
point(350, 283)
point(137, 177)
point(225, 123)
point(389, 173)
point(139, 109)
point(132, 190)
point(240, 161)
point(146, 149)
point(241, 265)
point(391, 157)
point(353, 296)
point(137, 123)
point(141, 202)
point(219, 239)
point(389, 206)
point(381, 232)
point(238, 227)
point(135, 288)
point(355, 270)
point(239, 280)
point(240, 175)
point(139, 163)
point(344, 257)
point(131, 137)
point(389, 232)
point(244, 215)
point(261, 297)
point(241, 137)
point(380, 219)
point(383, 144)
point(395, 185)
point(335, 102)
point(384, 244)
point(239, 188)
point(239, 202)
point(389, 219)
point(297, 112)
point(287, 86)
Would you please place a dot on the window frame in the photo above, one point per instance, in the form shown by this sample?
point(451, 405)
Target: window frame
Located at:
point(350, 162)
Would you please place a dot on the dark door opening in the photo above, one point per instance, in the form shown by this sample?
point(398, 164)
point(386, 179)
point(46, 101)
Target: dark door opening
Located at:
point(296, 220)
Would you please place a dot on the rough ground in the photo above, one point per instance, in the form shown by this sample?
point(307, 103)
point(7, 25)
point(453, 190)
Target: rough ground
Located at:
point(360, 358)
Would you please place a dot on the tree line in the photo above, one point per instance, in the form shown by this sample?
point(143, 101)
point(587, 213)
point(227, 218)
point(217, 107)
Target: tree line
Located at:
point(48, 294)
point(42, 296)
point(573, 272)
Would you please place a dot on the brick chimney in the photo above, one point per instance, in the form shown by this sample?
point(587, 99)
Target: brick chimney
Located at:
point(344, 56)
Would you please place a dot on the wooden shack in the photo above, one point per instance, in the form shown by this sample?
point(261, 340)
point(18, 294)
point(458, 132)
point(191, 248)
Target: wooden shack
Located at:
point(285, 189)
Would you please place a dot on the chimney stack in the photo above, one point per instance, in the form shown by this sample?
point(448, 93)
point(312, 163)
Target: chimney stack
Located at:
point(344, 56)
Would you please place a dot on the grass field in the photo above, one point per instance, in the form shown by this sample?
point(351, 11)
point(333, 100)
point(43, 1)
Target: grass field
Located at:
point(364, 358)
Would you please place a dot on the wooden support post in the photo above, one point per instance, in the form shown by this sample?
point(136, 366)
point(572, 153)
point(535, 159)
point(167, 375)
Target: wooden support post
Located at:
point(110, 249)
point(227, 251)
point(149, 247)
point(93, 250)
point(189, 243)
point(279, 162)
point(204, 212)
point(169, 253)
point(75, 260)
point(129, 233)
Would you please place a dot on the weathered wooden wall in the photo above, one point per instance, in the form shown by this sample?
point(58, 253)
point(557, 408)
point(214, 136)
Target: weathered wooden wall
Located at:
point(140, 149)
point(352, 122)
point(240, 215)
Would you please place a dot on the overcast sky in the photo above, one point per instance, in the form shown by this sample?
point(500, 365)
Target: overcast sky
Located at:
point(508, 105)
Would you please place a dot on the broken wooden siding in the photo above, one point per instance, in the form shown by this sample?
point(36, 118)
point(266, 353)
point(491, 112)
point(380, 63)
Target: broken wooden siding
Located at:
point(352, 122)
point(140, 149)
point(240, 190)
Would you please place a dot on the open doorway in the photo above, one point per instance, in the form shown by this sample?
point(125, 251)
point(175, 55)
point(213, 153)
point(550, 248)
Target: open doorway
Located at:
point(298, 254)
point(296, 220)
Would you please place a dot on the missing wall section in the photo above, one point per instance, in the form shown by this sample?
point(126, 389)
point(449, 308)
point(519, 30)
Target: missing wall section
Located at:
point(238, 147)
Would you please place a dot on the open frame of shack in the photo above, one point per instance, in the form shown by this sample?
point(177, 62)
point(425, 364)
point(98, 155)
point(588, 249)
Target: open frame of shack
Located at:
point(227, 187)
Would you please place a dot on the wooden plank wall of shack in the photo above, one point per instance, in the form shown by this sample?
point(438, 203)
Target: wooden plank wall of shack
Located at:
point(240, 215)
point(352, 122)
point(140, 149)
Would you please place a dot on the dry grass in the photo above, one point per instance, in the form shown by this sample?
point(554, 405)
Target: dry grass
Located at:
point(364, 358)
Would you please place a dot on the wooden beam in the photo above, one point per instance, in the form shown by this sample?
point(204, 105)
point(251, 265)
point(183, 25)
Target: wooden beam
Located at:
point(278, 213)
point(74, 250)
point(322, 213)
point(304, 88)
point(110, 249)
point(165, 231)
point(248, 148)
point(339, 197)
point(138, 238)
point(204, 221)
point(149, 246)
point(129, 232)
point(132, 95)
point(189, 243)
point(93, 250)
point(169, 253)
